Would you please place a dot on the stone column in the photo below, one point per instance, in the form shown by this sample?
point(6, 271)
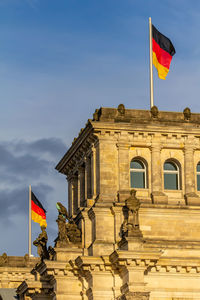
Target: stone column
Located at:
point(118, 220)
point(190, 172)
point(123, 171)
point(81, 186)
point(88, 178)
point(74, 194)
point(86, 229)
point(70, 204)
point(156, 175)
point(93, 173)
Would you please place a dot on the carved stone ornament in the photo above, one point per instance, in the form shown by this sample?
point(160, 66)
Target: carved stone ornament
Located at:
point(73, 232)
point(154, 112)
point(121, 109)
point(3, 259)
point(62, 239)
point(96, 115)
point(41, 244)
point(187, 114)
point(130, 225)
point(52, 253)
point(67, 232)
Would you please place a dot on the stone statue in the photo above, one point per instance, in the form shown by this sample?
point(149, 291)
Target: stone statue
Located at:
point(73, 233)
point(62, 210)
point(3, 259)
point(121, 109)
point(154, 111)
point(41, 244)
point(62, 239)
point(52, 253)
point(131, 223)
point(67, 232)
point(96, 115)
point(187, 113)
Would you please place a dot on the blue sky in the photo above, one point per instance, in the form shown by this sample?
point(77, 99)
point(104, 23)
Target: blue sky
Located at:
point(59, 61)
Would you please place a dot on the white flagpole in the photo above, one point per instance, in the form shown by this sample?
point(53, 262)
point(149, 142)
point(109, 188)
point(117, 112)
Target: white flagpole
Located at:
point(151, 64)
point(29, 231)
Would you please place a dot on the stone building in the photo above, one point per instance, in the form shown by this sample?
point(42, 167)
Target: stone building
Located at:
point(13, 271)
point(134, 197)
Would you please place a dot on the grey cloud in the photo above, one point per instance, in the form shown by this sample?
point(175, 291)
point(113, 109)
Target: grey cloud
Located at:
point(21, 165)
point(22, 159)
point(53, 146)
point(15, 201)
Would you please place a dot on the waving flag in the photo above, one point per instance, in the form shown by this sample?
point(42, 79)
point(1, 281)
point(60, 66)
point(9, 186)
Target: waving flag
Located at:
point(163, 50)
point(38, 213)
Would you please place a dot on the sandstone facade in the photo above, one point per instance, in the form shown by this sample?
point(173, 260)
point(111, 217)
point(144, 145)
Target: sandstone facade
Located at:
point(156, 257)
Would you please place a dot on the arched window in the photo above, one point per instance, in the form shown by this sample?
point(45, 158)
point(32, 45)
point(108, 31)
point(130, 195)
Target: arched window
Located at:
point(198, 176)
point(138, 174)
point(171, 176)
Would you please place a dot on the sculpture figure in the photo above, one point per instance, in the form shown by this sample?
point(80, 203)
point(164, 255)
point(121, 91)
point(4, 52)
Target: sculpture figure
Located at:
point(121, 109)
point(131, 223)
point(3, 259)
point(154, 111)
point(41, 244)
point(67, 232)
point(62, 239)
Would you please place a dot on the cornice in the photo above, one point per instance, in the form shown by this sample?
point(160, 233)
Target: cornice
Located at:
point(84, 140)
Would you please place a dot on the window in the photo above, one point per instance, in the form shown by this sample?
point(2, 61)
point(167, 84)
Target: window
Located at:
point(171, 176)
point(198, 176)
point(138, 174)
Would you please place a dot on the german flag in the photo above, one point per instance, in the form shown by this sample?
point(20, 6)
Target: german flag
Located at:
point(163, 50)
point(38, 213)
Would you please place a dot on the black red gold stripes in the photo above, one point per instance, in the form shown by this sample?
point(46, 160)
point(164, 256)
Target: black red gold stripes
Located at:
point(163, 50)
point(38, 213)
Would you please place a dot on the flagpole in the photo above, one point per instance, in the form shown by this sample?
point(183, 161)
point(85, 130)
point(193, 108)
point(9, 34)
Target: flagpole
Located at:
point(29, 231)
point(151, 64)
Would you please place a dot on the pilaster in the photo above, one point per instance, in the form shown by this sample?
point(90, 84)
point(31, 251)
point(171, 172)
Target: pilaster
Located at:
point(132, 266)
point(93, 173)
point(123, 170)
point(81, 186)
point(102, 237)
point(156, 176)
point(99, 276)
point(107, 169)
point(190, 195)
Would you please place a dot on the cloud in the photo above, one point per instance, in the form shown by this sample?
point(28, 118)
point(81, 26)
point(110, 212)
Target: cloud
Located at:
point(15, 201)
point(52, 146)
point(23, 159)
point(21, 165)
point(24, 162)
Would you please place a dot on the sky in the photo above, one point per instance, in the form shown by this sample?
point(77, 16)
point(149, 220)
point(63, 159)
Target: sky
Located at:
point(59, 61)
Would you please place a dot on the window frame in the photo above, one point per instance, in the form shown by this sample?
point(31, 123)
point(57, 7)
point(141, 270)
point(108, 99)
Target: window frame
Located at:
point(173, 172)
point(143, 171)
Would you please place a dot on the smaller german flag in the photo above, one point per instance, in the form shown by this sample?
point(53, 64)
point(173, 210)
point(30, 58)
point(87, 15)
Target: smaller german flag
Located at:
point(163, 50)
point(38, 213)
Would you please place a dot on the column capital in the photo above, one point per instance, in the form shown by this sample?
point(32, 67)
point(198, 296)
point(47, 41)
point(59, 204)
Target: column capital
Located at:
point(72, 178)
point(123, 146)
point(155, 147)
point(189, 148)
